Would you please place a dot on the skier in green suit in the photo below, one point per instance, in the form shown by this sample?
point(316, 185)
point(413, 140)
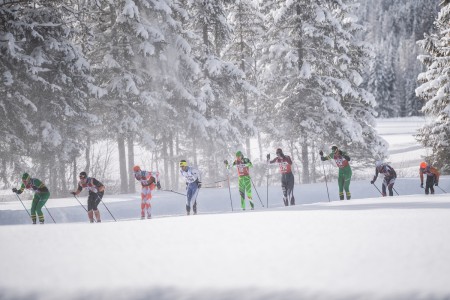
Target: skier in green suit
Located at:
point(245, 185)
point(345, 172)
point(41, 195)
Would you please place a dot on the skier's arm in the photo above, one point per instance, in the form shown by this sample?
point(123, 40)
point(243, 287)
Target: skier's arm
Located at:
point(344, 155)
point(248, 163)
point(421, 176)
point(19, 191)
point(289, 160)
point(78, 190)
point(375, 177)
point(99, 185)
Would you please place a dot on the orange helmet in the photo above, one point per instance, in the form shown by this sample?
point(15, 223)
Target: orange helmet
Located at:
point(423, 165)
point(136, 168)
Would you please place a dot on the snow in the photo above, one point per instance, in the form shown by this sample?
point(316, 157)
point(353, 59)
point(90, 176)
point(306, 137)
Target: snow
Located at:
point(366, 248)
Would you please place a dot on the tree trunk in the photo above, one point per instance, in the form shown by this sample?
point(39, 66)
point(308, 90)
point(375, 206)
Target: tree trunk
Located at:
point(122, 164)
point(305, 161)
point(165, 162)
point(131, 180)
point(88, 153)
point(62, 177)
point(171, 161)
point(75, 173)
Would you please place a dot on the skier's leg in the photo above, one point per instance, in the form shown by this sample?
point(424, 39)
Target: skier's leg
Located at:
point(391, 186)
point(41, 202)
point(284, 188)
point(98, 198)
point(291, 183)
point(33, 208)
point(348, 178)
point(429, 185)
point(194, 198)
point(341, 180)
point(189, 195)
point(242, 191)
point(383, 188)
point(90, 208)
point(143, 191)
point(248, 189)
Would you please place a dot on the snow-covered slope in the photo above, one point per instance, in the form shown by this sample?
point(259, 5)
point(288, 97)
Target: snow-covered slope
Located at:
point(366, 248)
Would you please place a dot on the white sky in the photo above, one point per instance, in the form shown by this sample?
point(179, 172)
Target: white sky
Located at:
point(366, 248)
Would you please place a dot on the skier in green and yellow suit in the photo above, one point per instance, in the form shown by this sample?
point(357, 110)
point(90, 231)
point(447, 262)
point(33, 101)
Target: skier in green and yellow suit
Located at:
point(345, 172)
point(40, 197)
point(245, 184)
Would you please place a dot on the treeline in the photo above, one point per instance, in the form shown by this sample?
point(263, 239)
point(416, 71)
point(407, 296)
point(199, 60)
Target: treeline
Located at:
point(182, 79)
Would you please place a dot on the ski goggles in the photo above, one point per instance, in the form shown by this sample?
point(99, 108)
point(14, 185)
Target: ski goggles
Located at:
point(183, 164)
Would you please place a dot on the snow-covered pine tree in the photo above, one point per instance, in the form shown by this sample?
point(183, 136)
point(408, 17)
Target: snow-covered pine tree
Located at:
point(129, 42)
point(393, 28)
point(45, 80)
point(243, 50)
point(220, 80)
point(312, 64)
point(435, 90)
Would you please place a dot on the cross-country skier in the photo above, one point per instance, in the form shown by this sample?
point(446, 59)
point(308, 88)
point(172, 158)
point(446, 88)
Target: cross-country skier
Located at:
point(389, 177)
point(245, 185)
point(96, 191)
point(287, 178)
point(432, 177)
point(345, 172)
point(41, 195)
point(147, 180)
point(193, 184)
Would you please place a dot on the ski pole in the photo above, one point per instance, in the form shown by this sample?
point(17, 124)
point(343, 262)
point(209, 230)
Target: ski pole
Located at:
point(326, 184)
point(172, 191)
point(377, 189)
point(83, 207)
point(106, 208)
point(80, 203)
point(441, 189)
point(229, 187)
point(267, 191)
point(23, 205)
point(395, 191)
point(256, 192)
point(49, 213)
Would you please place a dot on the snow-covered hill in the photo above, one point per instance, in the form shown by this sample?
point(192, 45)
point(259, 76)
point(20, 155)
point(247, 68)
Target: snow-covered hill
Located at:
point(366, 248)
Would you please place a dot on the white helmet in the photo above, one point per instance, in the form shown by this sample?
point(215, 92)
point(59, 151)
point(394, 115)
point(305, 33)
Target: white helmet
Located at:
point(378, 163)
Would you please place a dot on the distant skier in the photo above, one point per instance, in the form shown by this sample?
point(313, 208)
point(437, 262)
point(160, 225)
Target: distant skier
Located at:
point(41, 195)
point(193, 185)
point(432, 177)
point(345, 172)
point(287, 178)
point(245, 185)
point(389, 177)
point(149, 181)
point(96, 191)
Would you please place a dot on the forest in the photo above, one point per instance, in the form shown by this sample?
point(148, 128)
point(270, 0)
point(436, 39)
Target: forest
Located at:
point(198, 80)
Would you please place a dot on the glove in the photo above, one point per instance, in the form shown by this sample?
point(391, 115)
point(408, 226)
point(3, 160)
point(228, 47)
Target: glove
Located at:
point(73, 193)
point(225, 162)
point(199, 184)
point(436, 183)
point(14, 190)
point(421, 185)
point(321, 153)
point(371, 182)
point(158, 185)
point(268, 157)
